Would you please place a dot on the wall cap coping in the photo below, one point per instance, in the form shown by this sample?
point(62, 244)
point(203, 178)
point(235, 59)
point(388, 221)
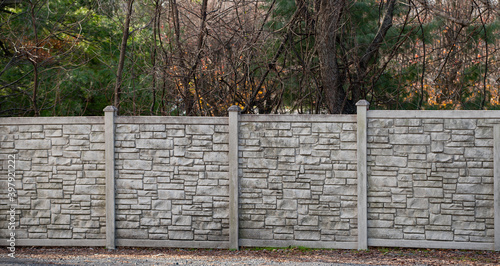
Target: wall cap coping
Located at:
point(316, 118)
point(53, 120)
point(443, 114)
point(363, 103)
point(110, 108)
point(176, 120)
point(234, 108)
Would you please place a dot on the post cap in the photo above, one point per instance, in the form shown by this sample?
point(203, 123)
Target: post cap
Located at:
point(234, 108)
point(362, 103)
point(110, 108)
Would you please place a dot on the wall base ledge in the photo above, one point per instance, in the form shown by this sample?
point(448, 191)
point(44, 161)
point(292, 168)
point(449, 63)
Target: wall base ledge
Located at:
point(296, 243)
point(429, 244)
point(253, 243)
point(58, 242)
point(172, 243)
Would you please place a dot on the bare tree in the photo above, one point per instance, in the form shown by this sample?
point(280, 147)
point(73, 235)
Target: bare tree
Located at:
point(123, 51)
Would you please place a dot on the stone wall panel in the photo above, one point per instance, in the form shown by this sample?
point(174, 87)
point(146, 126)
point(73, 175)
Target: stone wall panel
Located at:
point(297, 177)
point(176, 178)
point(439, 170)
point(61, 180)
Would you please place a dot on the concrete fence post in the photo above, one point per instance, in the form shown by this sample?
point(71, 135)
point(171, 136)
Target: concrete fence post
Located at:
point(362, 125)
point(109, 142)
point(496, 184)
point(234, 113)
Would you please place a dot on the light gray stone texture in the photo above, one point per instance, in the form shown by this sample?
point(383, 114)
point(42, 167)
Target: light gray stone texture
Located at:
point(439, 184)
point(416, 139)
point(160, 144)
point(286, 176)
point(200, 129)
point(32, 144)
point(428, 179)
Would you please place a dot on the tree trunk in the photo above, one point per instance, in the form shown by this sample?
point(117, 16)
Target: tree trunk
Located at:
point(187, 97)
point(123, 50)
point(34, 61)
point(328, 25)
point(156, 33)
point(35, 89)
point(358, 88)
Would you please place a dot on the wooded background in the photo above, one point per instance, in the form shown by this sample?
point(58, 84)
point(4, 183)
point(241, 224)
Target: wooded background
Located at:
point(198, 57)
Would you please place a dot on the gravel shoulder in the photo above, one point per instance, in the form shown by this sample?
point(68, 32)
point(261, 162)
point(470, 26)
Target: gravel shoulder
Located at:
point(247, 256)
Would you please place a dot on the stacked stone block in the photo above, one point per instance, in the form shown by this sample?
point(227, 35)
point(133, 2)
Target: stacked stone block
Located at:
point(431, 179)
point(298, 181)
point(60, 179)
point(172, 181)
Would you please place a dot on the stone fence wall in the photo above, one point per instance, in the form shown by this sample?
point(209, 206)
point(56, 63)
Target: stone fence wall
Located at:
point(298, 181)
point(431, 179)
point(379, 178)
